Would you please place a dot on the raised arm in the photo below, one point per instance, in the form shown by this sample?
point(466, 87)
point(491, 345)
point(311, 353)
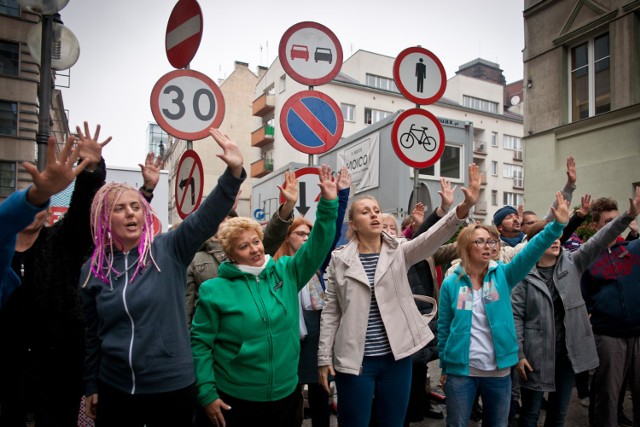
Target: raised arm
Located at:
point(569, 187)
point(471, 193)
point(276, 230)
point(150, 175)
point(343, 181)
point(577, 218)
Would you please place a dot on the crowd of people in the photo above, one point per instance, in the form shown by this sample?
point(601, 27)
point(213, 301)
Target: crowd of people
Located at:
point(221, 322)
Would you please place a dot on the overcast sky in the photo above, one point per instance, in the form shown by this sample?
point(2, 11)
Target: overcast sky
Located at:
point(122, 46)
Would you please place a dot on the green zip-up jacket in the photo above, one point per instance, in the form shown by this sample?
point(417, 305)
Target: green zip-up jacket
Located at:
point(245, 333)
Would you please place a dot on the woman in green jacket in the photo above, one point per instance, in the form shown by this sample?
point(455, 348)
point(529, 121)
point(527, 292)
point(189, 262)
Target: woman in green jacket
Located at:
point(245, 332)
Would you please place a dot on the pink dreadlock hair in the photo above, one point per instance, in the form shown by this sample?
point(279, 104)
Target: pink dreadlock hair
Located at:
point(101, 209)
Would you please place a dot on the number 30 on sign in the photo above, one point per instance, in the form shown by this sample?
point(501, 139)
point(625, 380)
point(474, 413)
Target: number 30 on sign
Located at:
point(186, 103)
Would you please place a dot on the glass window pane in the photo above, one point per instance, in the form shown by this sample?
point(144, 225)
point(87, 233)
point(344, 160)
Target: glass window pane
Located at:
point(450, 162)
point(580, 94)
point(602, 91)
point(579, 56)
point(9, 57)
point(8, 118)
point(601, 47)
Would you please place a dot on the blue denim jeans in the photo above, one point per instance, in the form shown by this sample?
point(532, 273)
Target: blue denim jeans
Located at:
point(388, 379)
point(557, 403)
point(496, 399)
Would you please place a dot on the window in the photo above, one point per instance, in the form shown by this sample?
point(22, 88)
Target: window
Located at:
point(7, 178)
point(512, 142)
point(158, 139)
point(449, 165)
point(515, 172)
point(494, 168)
point(513, 199)
point(9, 7)
point(8, 118)
point(494, 139)
point(494, 197)
point(372, 116)
point(283, 83)
point(380, 82)
point(348, 112)
point(590, 78)
point(480, 104)
point(9, 58)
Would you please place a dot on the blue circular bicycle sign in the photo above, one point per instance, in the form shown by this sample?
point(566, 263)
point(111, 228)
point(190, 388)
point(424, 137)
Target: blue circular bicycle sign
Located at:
point(418, 138)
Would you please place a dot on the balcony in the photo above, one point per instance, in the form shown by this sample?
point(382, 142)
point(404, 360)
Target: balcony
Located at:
point(479, 148)
point(517, 155)
point(261, 168)
point(262, 136)
point(483, 177)
point(264, 105)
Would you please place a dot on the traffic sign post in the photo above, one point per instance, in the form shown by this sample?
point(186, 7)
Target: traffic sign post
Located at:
point(308, 193)
point(310, 53)
point(186, 103)
point(189, 183)
point(419, 75)
point(311, 122)
point(184, 33)
point(418, 138)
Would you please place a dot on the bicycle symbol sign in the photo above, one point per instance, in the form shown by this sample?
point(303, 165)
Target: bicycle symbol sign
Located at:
point(418, 138)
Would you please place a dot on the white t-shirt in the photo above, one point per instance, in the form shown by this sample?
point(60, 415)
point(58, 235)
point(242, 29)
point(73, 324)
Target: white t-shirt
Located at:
point(482, 354)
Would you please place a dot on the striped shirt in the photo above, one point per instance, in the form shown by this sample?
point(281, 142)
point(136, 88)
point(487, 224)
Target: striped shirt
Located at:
point(376, 342)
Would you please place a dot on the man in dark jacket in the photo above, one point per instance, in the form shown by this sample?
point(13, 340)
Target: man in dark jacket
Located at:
point(611, 290)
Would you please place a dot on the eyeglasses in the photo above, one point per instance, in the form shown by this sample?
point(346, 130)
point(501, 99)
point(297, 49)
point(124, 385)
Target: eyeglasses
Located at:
point(301, 234)
point(482, 243)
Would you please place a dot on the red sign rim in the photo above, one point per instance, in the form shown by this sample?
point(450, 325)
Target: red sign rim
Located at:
point(403, 89)
point(164, 124)
point(197, 164)
point(180, 55)
point(291, 139)
point(282, 54)
point(308, 170)
point(396, 143)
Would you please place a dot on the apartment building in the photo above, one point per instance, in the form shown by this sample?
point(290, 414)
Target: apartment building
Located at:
point(477, 95)
point(19, 78)
point(582, 84)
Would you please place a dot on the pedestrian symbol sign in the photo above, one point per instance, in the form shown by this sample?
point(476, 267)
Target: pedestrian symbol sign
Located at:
point(311, 122)
point(419, 75)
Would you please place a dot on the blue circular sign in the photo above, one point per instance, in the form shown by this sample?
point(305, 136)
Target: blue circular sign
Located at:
point(259, 214)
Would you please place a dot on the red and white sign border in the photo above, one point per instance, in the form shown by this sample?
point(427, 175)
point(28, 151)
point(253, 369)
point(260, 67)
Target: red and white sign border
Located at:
point(197, 164)
point(395, 142)
point(404, 90)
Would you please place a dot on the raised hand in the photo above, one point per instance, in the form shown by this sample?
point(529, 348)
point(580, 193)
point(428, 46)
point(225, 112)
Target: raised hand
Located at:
point(520, 213)
point(634, 204)
point(151, 171)
point(343, 179)
point(561, 213)
point(57, 174)
point(328, 187)
point(231, 155)
point(471, 193)
point(89, 146)
point(290, 193)
point(585, 205)
point(418, 215)
point(571, 170)
point(446, 194)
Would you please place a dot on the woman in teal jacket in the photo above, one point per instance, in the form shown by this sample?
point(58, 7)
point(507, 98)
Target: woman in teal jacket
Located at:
point(245, 333)
point(476, 333)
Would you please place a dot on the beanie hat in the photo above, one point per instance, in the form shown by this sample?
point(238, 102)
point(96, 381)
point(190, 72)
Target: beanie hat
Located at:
point(502, 213)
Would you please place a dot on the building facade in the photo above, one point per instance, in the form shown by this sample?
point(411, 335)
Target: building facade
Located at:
point(366, 92)
point(582, 80)
point(19, 79)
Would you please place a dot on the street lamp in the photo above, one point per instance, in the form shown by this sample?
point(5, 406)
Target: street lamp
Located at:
point(57, 48)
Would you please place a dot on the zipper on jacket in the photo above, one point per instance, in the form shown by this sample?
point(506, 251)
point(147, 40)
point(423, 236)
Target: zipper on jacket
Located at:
point(267, 320)
point(133, 326)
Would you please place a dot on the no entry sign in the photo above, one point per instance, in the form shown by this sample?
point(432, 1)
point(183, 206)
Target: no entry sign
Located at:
point(418, 138)
point(184, 33)
point(189, 183)
point(311, 122)
point(186, 103)
point(419, 75)
point(310, 53)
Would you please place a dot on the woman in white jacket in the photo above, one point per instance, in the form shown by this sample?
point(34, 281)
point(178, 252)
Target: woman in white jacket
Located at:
point(371, 325)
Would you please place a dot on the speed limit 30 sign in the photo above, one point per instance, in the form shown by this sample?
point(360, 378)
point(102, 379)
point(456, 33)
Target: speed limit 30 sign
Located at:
point(186, 103)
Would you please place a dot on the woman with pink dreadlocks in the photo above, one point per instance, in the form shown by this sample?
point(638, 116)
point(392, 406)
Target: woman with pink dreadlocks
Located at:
point(138, 355)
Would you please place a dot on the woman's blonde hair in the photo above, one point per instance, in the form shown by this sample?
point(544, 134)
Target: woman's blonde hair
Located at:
point(234, 227)
point(465, 241)
point(285, 249)
point(386, 216)
point(351, 233)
